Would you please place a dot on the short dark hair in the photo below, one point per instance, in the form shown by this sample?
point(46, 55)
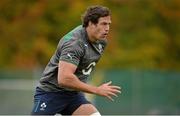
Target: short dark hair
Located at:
point(93, 13)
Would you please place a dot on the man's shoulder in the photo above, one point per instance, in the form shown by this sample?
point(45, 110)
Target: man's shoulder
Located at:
point(75, 33)
point(77, 30)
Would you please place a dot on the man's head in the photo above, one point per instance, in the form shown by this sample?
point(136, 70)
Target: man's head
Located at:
point(97, 20)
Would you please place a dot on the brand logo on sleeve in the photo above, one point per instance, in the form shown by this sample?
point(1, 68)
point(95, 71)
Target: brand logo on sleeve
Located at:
point(69, 56)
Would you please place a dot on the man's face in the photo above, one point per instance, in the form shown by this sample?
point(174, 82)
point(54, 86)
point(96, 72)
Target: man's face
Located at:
point(101, 29)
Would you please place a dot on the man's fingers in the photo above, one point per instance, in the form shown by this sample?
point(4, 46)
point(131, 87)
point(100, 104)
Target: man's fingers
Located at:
point(112, 94)
point(108, 83)
point(112, 86)
point(115, 87)
point(115, 91)
point(110, 98)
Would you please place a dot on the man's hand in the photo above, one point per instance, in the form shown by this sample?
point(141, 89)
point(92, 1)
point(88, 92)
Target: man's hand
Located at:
point(108, 90)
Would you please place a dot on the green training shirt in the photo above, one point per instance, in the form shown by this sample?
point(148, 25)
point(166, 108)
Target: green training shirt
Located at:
point(74, 48)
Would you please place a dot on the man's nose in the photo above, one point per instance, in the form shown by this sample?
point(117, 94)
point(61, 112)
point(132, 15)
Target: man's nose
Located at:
point(107, 28)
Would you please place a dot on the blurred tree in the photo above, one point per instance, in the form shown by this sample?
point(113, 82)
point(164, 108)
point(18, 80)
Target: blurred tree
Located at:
point(145, 34)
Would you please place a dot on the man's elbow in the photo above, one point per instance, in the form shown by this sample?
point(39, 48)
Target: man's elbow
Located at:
point(65, 80)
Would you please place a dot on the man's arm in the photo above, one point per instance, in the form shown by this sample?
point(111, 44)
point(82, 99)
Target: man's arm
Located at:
point(67, 79)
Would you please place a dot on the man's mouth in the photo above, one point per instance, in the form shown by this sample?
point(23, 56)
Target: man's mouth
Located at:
point(105, 34)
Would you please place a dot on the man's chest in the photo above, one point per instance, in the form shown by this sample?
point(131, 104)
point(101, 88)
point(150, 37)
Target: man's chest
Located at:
point(89, 60)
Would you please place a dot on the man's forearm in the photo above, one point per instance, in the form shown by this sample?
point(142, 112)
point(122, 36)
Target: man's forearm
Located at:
point(72, 81)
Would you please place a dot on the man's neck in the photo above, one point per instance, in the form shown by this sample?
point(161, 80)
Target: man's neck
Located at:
point(90, 37)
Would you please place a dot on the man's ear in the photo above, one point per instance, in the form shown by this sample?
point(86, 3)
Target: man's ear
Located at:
point(91, 24)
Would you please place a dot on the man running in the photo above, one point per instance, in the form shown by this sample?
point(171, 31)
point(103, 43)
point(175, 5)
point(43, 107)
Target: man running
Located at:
point(60, 89)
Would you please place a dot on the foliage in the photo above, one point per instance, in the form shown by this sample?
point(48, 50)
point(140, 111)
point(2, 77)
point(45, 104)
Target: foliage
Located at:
point(144, 32)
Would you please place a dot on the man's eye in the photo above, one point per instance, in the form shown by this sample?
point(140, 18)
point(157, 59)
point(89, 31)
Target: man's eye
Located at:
point(104, 23)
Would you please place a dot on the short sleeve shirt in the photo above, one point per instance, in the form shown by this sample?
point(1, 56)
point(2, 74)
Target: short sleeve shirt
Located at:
point(74, 48)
